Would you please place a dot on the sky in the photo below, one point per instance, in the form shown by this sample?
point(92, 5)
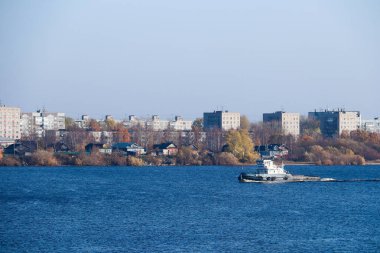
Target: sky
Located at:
point(173, 57)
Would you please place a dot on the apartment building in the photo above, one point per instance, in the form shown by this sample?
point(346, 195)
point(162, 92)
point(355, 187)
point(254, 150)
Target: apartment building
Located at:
point(40, 121)
point(333, 123)
point(157, 124)
point(221, 119)
point(83, 122)
point(288, 122)
point(10, 122)
point(372, 125)
point(179, 124)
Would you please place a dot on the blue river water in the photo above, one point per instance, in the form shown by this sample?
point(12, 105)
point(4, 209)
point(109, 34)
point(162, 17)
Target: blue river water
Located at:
point(186, 209)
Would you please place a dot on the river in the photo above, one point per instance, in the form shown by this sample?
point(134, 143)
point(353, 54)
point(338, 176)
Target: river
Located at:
point(186, 209)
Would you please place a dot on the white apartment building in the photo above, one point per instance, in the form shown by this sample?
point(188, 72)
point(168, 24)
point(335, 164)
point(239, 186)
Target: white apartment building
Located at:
point(83, 122)
point(10, 122)
point(335, 122)
point(133, 121)
point(157, 124)
point(38, 122)
point(288, 121)
point(349, 121)
point(179, 124)
point(372, 125)
point(221, 119)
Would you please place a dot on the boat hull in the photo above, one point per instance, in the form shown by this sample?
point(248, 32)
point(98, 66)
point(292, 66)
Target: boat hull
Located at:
point(284, 178)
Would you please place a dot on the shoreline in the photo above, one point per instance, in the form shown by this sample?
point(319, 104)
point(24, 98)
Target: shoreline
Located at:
point(287, 163)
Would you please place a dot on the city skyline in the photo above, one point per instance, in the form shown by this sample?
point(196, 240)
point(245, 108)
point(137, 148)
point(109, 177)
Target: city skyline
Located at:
point(172, 116)
point(171, 58)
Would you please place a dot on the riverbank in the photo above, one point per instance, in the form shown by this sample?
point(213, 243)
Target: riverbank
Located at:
point(138, 162)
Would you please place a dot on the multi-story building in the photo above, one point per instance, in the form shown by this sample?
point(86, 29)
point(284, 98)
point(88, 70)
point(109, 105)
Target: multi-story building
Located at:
point(157, 124)
point(179, 124)
point(10, 122)
point(334, 123)
point(288, 122)
point(221, 119)
point(372, 125)
point(83, 122)
point(38, 122)
point(133, 121)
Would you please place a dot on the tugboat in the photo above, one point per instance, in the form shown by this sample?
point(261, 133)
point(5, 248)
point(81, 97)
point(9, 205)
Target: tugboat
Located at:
point(266, 171)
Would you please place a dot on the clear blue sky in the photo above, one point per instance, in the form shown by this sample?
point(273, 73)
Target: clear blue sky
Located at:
point(174, 57)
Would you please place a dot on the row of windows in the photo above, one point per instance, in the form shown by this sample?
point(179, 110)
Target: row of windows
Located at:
point(230, 122)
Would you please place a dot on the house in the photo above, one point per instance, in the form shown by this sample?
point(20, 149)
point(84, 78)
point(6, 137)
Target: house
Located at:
point(128, 148)
point(60, 147)
point(272, 150)
point(166, 149)
point(5, 142)
point(101, 147)
point(23, 148)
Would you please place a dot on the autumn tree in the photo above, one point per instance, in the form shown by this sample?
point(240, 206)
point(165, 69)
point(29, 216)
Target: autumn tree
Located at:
point(121, 133)
point(263, 132)
point(76, 139)
point(226, 158)
point(309, 126)
point(240, 145)
point(110, 124)
point(198, 123)
point(187, 156)
point(43, 158)
point(215, 139)
point(196, 130)
point(94, 126)
point(69, 123)
point(244, 122)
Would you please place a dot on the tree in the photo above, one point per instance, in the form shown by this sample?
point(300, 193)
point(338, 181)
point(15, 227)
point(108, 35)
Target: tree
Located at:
point(215, 139)
point(240, 145)
point(134, 161)
point(94, 125)
point(69, 123)
point(196, 132)
point(76, 140)
point(198, 123)
point(187, 156)
point(110, 124)
point(121, 133)
point(263, 132)
point(226, 158)
point(309, 126)
point(244, 122)
point(43, 158)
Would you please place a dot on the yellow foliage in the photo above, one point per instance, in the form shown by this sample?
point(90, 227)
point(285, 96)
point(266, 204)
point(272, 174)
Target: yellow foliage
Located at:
point(240, 144)
point(43, 158)
point(134, 161)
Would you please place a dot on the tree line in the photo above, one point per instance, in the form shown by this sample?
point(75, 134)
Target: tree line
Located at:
point(201, 146)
